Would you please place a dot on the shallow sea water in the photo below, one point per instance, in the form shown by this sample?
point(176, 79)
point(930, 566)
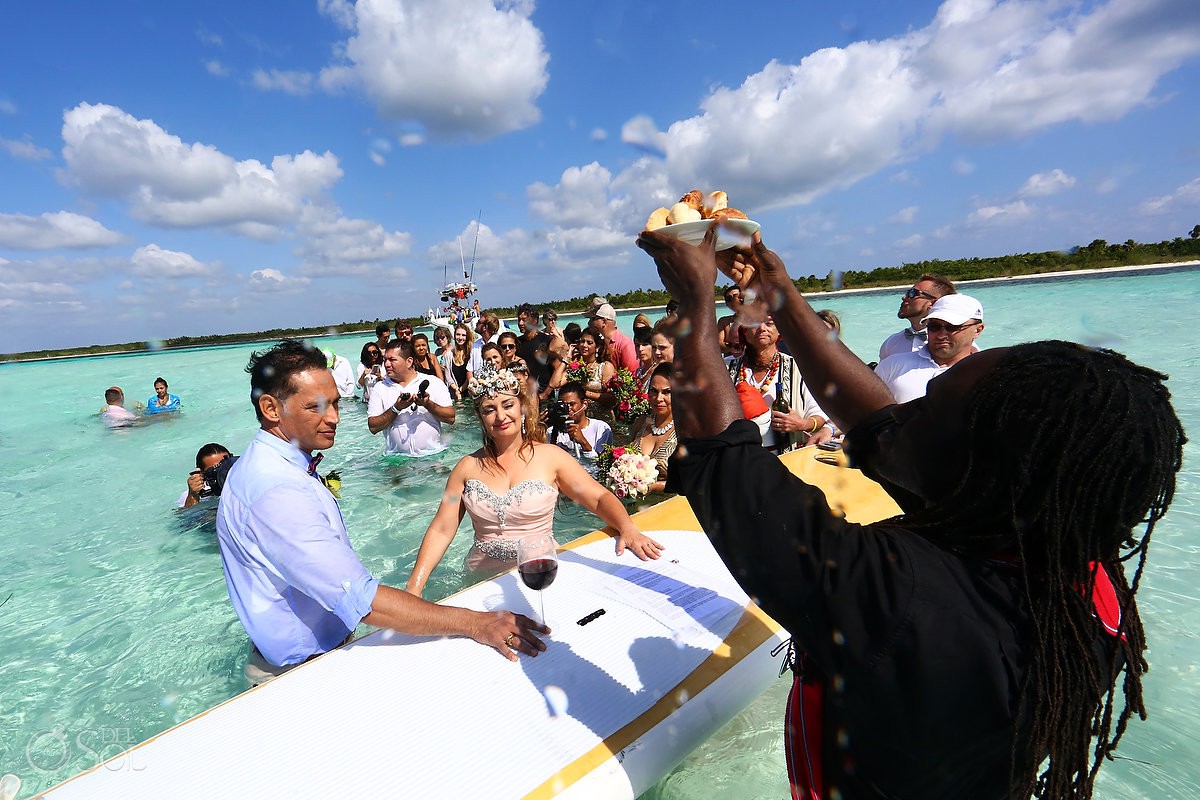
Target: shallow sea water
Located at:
point(119, 626)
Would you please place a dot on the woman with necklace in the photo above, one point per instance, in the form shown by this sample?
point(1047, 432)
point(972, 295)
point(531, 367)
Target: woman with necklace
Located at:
point(764, 371)
point(509, 488)
point(656, 437)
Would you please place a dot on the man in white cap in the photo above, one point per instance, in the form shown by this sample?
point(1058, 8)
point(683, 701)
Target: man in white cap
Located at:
point(953, 324)
point(620, 349)
point(597, 301)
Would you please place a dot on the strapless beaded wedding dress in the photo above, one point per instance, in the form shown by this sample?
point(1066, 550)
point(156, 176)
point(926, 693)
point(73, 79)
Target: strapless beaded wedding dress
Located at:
point(500, 520)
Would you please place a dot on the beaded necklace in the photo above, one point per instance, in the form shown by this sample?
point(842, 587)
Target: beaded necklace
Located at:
point(768, 381)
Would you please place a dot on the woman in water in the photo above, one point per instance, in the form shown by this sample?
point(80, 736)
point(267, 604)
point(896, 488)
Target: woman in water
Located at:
point(510, 486)
point(591, 354)
point(460, 361)
point(370, 368)
point(423, 360)
point(162, 401)
point(656, 437)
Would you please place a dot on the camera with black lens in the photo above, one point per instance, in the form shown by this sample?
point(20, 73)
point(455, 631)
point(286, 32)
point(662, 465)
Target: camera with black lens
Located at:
point(557, 415)
point(214, 477)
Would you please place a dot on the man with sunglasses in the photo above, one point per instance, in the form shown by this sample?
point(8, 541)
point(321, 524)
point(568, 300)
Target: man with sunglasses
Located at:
point(914, 305)
point(953, 324)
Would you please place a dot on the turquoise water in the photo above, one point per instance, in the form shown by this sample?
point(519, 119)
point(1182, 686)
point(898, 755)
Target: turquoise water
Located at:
point(119, 625)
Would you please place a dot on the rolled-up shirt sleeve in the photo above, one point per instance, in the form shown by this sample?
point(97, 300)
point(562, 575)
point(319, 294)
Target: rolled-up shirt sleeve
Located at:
point(309, 556)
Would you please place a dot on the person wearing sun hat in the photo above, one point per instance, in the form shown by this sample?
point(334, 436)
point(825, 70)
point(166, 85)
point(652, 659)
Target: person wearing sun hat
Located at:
point(343, 373)
point(953, 324)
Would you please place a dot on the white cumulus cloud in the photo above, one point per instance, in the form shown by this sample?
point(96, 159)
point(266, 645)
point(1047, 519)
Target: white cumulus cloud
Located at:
point(1187, 195)
point(905, 216)
point(53, 230)
point(459, 68)
point(981, 70)
point(1044, 184)
point(999, 215)
point(171, 183)
point(335, 245)
point(153, 261)
point(274, 281)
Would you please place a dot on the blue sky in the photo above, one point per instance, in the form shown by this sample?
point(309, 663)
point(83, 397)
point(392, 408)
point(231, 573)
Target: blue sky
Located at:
point(185, 168)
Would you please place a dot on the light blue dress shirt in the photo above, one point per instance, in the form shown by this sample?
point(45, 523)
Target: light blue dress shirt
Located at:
point(293, 577)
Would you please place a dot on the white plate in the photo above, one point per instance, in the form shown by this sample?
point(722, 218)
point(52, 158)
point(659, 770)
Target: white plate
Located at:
point(730, 233)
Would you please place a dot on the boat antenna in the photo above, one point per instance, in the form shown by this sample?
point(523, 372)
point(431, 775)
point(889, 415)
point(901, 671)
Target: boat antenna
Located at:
point(470, 278)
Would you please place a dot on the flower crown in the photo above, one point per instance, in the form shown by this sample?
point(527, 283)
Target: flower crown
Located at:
point(489, 382)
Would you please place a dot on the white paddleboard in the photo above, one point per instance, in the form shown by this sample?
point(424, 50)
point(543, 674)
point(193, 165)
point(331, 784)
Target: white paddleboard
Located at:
point(669, 652)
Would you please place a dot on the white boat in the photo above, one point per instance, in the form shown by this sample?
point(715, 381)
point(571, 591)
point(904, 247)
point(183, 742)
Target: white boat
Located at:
point(646, 661)
point(455, 293)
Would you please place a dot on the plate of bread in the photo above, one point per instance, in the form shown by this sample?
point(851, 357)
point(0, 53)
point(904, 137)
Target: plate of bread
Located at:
point(690, 218)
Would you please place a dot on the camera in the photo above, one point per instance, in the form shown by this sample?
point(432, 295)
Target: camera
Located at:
point(557, 415)
point(214, 477)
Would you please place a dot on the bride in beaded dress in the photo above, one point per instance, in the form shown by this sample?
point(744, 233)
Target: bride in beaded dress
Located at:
point(509, 488)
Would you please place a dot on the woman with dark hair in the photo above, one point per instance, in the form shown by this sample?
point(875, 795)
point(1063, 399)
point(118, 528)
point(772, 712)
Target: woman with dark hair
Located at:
point(423, 360)
point(591, 346)
point(656, 437)
point(974, 646)
point(370, 368)
point(507, 343)
point(162, 401)
point(510, 486)
point(645, 353)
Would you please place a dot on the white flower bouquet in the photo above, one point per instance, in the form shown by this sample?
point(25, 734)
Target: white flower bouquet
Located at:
point(631, 474)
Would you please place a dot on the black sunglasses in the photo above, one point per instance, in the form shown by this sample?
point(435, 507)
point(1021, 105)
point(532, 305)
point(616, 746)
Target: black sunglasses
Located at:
point(914, 293)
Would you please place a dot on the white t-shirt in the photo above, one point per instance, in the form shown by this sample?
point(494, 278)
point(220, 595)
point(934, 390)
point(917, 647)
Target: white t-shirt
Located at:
point(907, 374)
point(415, 431)
point(118, 416)
point(343, 376)
point(597, 432)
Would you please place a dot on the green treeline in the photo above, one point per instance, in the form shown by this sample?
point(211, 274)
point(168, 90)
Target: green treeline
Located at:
point(1097, 255)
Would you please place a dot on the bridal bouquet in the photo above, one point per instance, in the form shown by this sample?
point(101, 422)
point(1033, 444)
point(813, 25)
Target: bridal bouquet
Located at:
point(632, 402)
point(627, 473)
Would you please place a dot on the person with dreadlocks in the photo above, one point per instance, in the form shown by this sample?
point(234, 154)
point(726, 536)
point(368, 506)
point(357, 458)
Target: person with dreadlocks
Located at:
point(976, 645)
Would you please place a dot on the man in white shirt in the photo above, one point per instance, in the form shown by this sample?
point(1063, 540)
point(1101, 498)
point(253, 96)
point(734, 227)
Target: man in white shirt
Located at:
point(954, 323)
point(914, 305)
point(583, 436)
point(487, 331)
point(343, 374)
point(115, 415)
point(409, 405)
point(295, 582)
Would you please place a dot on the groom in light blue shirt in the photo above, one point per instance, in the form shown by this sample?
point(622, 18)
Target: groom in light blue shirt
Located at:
point(295, 581)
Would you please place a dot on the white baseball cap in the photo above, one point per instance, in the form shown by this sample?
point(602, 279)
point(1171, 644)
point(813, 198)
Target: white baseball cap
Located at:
point(956, 309)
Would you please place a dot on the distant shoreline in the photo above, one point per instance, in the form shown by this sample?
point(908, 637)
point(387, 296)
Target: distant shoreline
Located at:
point(1177, 266)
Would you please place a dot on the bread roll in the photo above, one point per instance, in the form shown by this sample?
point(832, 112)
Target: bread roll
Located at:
point(682, 212)
point(714, 202)
point(694, 199)
point(658, 219)
point(729, 213)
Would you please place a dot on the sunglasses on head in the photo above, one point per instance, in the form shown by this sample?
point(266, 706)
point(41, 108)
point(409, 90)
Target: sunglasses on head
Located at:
point(914, 293)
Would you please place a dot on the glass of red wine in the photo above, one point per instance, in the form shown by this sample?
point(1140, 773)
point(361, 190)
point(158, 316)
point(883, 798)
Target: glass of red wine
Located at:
point(537, 562)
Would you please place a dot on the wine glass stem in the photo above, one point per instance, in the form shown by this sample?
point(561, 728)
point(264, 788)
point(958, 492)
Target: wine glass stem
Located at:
point(543, 598)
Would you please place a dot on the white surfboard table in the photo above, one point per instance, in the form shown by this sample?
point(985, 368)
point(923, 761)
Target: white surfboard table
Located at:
point(667, 652)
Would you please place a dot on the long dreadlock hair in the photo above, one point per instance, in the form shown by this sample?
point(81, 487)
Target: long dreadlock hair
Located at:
point(1048, 480)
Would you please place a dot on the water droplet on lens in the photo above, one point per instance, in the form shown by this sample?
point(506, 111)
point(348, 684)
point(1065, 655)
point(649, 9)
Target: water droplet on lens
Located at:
point(682, 696)
point(388, 634)
point(838, 638)
point(169, 699)
point(556, 700)
point(155, 344)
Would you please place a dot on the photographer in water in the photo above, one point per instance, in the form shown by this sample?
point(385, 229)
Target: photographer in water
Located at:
point(212, 465)
point(569, 426)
